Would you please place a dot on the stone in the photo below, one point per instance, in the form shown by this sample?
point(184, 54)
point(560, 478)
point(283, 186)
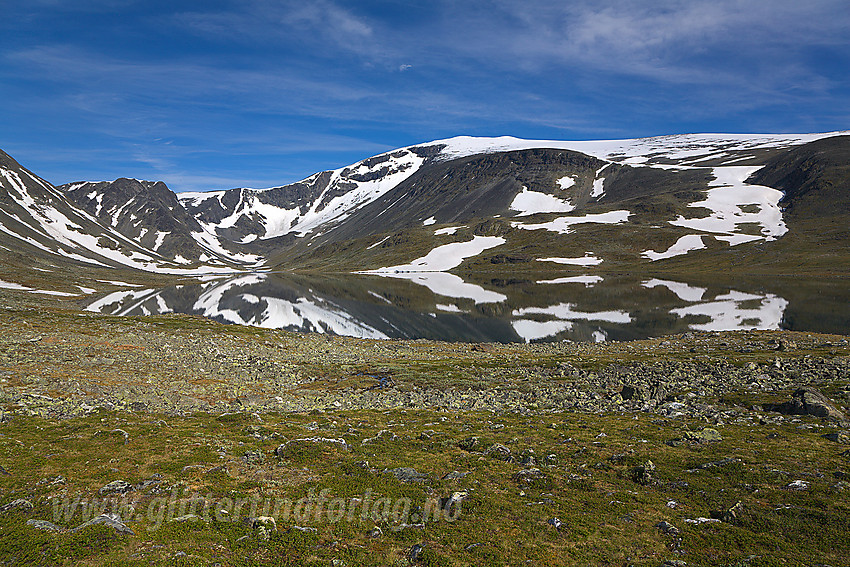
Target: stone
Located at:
point(644, 474)
point(44, 525)
point(19, 505)
point(528, 476)
point(839, 437)
point(116, 487)
point(407, 474)
point(667, 528)
point(707, 435)
point(527, 458)
point(254, 457)
point(555, 522)
point(808, 401)
point(110, 520)
point(376, 532)
point(455, 475)
point(468, 444)
point(263, 527)
point(415, 552)
point(499, 452)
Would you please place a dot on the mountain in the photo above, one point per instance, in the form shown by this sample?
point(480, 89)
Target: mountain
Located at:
point(149, 213)
point(40, 224)
point(474, 202)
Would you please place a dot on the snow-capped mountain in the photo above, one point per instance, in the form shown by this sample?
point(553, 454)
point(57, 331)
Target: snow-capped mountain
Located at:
point(38, 221)
point(621, 202)
point(149, 213)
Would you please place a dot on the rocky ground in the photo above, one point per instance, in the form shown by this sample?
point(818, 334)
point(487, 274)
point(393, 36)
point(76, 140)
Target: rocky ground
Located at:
point(697, 449)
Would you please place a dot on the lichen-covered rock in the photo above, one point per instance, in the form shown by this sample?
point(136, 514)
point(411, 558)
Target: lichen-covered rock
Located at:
point(116, 487)
point(19, 505)
point(808, 401)
point(109, 520)
point(499, 452)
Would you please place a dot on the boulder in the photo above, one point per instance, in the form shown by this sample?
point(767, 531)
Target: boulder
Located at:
point(116, 487)
point(109, 520)
point(19, 505)
point(499, 452)
point(808, 401)
point(407, 474)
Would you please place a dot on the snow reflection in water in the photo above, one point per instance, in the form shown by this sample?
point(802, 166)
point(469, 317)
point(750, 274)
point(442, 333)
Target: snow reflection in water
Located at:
point(443, 306)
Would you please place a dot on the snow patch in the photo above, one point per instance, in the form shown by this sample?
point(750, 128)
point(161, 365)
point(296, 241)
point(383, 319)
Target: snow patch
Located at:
point(563, 225)
point(587, 260)
point(682, 246)
point(533, 202)
point(448, 230)
point(566, 182)
point(445, 257)
point(588, 281)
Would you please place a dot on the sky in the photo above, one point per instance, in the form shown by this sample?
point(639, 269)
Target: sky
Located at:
point(216, 94)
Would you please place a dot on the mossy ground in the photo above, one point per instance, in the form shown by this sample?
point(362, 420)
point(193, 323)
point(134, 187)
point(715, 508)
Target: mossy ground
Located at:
point(587, 459)
point(588, 483)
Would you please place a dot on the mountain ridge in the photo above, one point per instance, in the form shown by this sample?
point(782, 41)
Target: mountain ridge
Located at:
point(623, 202)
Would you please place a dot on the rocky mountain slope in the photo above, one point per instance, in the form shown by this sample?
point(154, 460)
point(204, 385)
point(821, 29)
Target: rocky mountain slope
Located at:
point(680, 202)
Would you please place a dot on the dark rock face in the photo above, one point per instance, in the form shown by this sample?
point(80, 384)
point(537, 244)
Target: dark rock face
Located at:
point(808, 401)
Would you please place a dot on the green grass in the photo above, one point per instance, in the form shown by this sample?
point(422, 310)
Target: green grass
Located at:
point(607, 517)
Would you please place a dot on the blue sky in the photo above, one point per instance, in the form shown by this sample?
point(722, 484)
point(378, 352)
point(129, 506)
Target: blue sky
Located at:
point(218, 93)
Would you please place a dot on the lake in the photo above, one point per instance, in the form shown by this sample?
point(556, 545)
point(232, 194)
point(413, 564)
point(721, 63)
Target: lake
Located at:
point(503, 308)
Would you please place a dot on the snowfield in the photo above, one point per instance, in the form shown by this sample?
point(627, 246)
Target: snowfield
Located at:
point(445, 257)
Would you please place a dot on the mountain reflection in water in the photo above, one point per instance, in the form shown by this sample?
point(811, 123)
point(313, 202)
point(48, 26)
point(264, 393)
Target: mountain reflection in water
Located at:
point(443, 306)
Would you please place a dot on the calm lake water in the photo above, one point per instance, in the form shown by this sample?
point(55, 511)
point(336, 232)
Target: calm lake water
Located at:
point(508, 308)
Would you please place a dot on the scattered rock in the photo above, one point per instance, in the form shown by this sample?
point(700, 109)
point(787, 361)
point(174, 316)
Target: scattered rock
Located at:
point(110, 520)
point(455, 475)
point(415, 552)
point(808, 401)
point(555, 522)
point(729, 515)
point(407, 474)
point(706, 435)
point(468, 444)
point(644, 474)
point(3, 471)
point(19, 505)
point(499, 452)
point(264, 527)
point(116, 487)
point(186, 518)
point(798, 485)
point(376, 532)
point(254, 457)
point(44, 525)
point(839, 437)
